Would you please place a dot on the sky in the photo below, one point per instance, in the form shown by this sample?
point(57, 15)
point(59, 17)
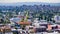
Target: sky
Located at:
point(15, 1)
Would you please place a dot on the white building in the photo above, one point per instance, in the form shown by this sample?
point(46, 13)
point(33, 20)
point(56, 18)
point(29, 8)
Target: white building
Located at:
point(57, 18)
point(15, 20)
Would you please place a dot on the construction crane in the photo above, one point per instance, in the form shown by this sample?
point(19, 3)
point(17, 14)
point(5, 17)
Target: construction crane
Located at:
point(24, 20)
point(26, 16)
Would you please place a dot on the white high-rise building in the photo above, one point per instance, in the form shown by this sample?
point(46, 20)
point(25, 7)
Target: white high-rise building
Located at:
point(21, 13)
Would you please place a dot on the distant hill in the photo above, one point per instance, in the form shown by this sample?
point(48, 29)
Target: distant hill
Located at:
point(28, 3)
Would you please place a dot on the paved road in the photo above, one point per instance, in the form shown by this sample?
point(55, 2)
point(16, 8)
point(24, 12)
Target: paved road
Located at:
point(48, 33)
point(36, 33)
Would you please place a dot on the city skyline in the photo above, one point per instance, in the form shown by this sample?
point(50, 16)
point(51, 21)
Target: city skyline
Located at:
point(16, 1)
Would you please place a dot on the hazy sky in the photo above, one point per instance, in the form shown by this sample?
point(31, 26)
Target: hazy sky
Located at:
point(15, 1)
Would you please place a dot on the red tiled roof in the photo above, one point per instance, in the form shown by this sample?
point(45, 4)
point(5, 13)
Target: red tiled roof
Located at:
point(24, 23)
